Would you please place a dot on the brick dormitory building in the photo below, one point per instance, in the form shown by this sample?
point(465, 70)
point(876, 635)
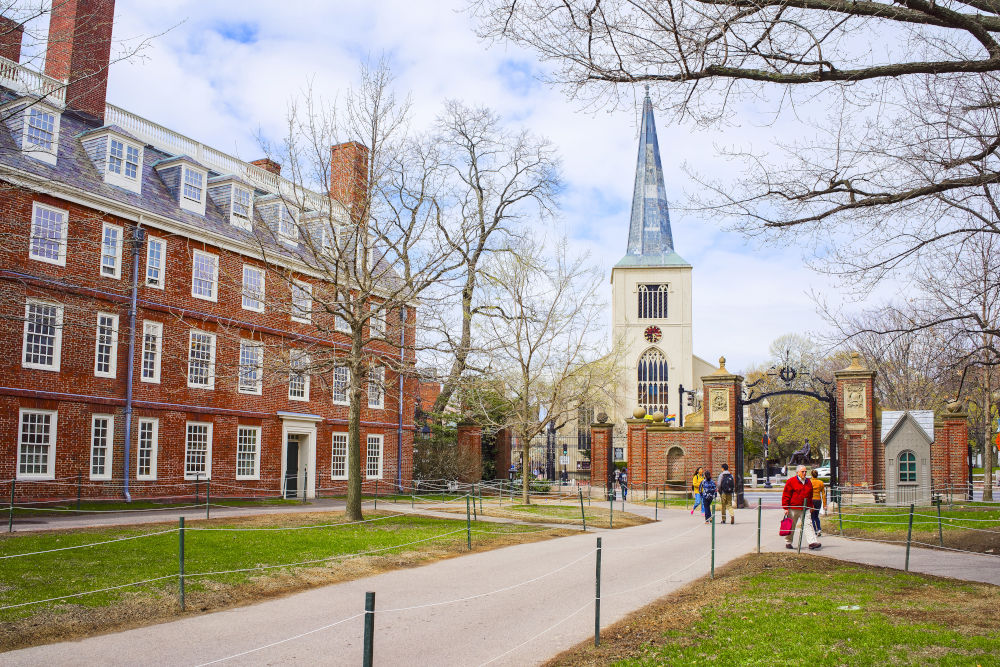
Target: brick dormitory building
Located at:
point(119, 235)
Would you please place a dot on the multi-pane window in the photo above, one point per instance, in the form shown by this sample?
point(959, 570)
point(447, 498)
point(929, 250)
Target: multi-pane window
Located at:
point(36, 444)
point(376, 386)
point(248, 452)
point(41, 130)
point(111, 251)
point(376, 322)
point(204, 275)
point(341, 324)
point(298, 376)
point(102, 434)
point(156, 252)
point(373, 457)
point(201, 360)
point(338, 466)
point(42, 335)
point(198, 451)
point(147, 449)
point(652, 381)
point(152, 346)
point(242, 202)
point(123, 159)
point(251, 367)
point(287, 228)
point(253, 288)
point(301, 302)
point(48, 235)
point(194, 185)
point(653, 302)
point(341, 384)
point(106, 349)
point(907, 467)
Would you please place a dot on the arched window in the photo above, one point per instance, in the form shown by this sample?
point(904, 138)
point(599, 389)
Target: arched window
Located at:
point(652, 378)
point(907, 467)
point(653, 302)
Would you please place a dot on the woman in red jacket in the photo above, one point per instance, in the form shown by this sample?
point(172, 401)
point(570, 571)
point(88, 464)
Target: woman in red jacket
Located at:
point(795, 498)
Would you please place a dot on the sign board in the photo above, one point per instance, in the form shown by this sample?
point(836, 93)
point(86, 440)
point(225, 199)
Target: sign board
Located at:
point(583, 465)
point(564, 460)
point(619, 453)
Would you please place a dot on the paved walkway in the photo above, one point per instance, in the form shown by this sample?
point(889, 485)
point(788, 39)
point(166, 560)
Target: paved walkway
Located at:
point(514, 606)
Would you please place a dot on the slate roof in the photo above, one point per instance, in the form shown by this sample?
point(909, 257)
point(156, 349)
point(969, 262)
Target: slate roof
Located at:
point(924, 419)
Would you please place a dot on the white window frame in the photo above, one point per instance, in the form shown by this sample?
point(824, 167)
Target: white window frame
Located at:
point(153, 450)
point(122, 179)
point(248, 296)
point(208, 451)
point(288, 217)
point(308, 289)
point(211, 359)
point(346, 400)
point(109, 446)
point(50, 463)
point(259, 383)
point(116, 272)
point(47, 155)
point(214, 296)
point(158, 328)
point(256, 457)
point(298, 356)
point(338, 435)
point(57, 337)
point(341, 324)
point(162, 268)
point(378, 384)
point(60, 260)
point(235, 219)
point(376, 321)
point(372, 439)
point(113, 354)
point(187, 202)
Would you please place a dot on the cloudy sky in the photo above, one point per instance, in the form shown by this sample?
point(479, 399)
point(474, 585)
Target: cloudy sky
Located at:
point(224, 71)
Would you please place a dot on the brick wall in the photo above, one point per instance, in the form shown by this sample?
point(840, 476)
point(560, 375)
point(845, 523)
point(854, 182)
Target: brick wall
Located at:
point(11, 36)
point(648, 449)
point(79, 50)
point(856, 435)
point(600, 443)
point(950, 453)
point(470, 447)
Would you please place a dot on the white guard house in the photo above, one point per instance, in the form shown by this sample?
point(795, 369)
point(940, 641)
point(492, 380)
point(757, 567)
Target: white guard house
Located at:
point(907, 436)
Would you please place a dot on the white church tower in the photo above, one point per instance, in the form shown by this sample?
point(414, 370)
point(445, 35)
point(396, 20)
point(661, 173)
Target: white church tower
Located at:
point(651, 297)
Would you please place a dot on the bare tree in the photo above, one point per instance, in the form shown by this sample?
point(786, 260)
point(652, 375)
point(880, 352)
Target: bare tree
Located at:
point(547, 311)
point(495, 178)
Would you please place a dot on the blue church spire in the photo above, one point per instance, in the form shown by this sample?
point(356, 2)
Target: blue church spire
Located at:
point(650, 241)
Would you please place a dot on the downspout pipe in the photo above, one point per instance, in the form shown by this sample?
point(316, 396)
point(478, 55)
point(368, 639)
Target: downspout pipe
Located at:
point(138, 237)
point(399, 428)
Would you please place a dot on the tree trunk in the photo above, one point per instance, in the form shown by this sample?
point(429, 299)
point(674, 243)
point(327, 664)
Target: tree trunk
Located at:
point(353, 508)
point(462, 353)
point(525, 482)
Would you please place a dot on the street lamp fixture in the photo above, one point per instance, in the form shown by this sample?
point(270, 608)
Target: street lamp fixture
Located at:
point(766, 404)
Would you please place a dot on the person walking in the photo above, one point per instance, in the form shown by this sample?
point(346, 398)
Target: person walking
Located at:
point(794, 499)
point(623, 481)
point(708, 489)
point(727, 487)
point(818, 501)
point(696, 481)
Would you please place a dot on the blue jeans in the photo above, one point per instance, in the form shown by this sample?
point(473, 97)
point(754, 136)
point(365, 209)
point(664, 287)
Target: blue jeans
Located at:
point(708, 510)
point(814, 514)
point(624, 492)
point(697, 500)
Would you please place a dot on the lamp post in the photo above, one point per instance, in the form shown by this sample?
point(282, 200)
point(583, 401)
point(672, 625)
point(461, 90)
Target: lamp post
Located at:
point(766, 404)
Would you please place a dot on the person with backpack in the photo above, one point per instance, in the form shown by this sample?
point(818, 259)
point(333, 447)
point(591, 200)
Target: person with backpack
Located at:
point(696, 481)
point(623, 481)
point(727, 487)
point(708, 489)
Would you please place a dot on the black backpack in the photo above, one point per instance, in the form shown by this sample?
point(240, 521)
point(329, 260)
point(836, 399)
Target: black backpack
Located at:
point(726, 483)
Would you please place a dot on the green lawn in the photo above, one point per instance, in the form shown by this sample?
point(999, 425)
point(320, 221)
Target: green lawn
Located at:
point(880, 519)
point(70, 506)
point(779, 609)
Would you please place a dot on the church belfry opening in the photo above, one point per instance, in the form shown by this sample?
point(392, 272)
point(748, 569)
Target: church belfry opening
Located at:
point(653, 301)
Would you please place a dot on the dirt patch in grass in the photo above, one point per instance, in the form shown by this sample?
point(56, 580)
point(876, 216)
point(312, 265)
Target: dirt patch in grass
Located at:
point(69, 621)
point(978, 541)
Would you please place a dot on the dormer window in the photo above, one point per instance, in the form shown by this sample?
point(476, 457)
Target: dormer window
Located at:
point(41, 129)
point(123, 159)
point(187, 181)
point(233, 198)
point(116, 155)
point(35, 126)
point(280, 217)
point(242, 205)
point(194, 185)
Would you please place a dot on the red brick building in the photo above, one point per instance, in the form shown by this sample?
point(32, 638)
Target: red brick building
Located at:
point(143, 347)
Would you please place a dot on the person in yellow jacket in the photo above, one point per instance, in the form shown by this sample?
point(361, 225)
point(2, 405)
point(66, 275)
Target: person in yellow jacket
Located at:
point(818, 501)
point(699, 477)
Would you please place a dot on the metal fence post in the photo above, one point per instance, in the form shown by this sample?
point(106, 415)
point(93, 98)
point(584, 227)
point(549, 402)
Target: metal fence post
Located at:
point(180, 553)
point(713, 540)
point(582, 514)
point(760, 508)
point(369, 628)
point(376, 496)
point(468, 524)
point(840, 517)
point(611, 510)
point(909, 535)
point(475, 512)
point(656, 505)
point(79, 488)
point(10, 515)
point(597, 598)
point(197, 487)
point(208, 499)
point(940, 532)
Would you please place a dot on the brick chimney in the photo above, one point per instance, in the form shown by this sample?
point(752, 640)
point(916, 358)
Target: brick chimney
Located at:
point(79, 50)
point(11, 34)
point(349, 175)
point(267, 164)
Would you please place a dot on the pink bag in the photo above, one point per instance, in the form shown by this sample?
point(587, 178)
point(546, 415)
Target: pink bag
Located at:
point(786, 526)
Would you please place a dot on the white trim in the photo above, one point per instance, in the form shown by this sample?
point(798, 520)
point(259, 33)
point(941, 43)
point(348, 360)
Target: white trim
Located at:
point(347, 386)
point(300, 424)
point(113, 360)
point(256, 459)
point(50, 462)
point(121, 180)
point(293, 357)
point(308, 289)
point(154, 450)
point(46, 155)
point(163, 261)
point(259, 384)
point(238, 220)
point(380, 439)
point(379, 384)
point(333, 438)
point(376, 321)
point(211, 360)
point(214, 296)
point(190, 203)
point(109, 448)
point(117, 272)
point(208, 452)
point(61, 259)
point(158, 326)
point(56, 343)
point(258, 296)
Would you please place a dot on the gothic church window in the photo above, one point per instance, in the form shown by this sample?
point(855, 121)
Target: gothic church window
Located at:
point(653, 302)
point(652, 379)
